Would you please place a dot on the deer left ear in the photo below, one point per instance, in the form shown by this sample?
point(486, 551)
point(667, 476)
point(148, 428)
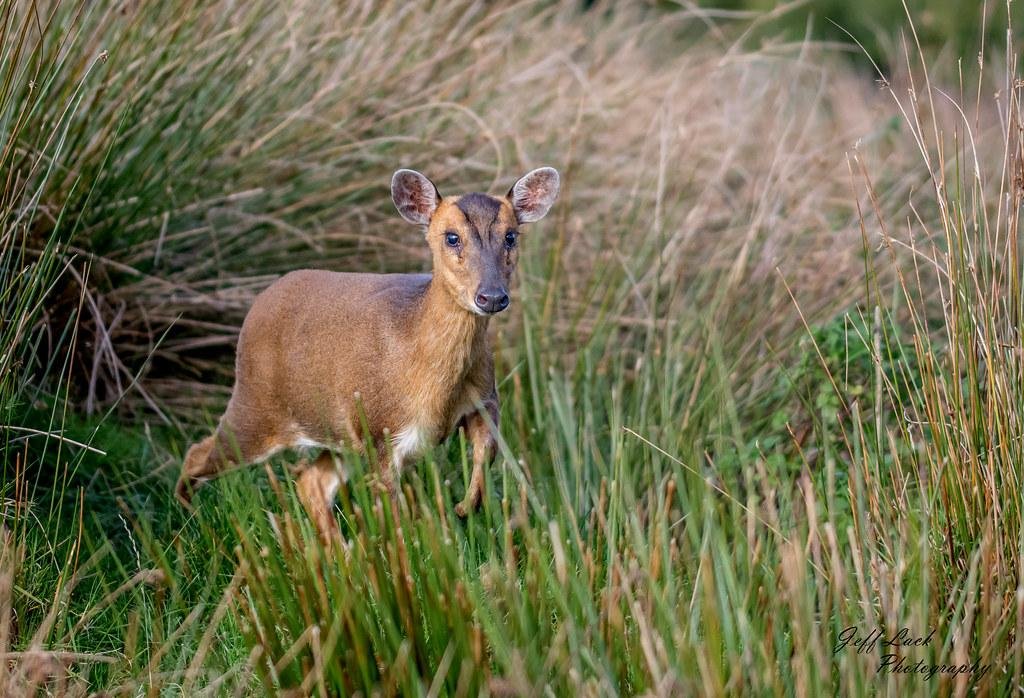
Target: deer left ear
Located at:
point(534, 193)
point(415, 196)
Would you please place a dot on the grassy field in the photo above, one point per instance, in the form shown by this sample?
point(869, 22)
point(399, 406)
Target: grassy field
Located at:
point(761, 382)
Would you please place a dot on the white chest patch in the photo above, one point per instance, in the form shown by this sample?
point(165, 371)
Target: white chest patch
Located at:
point(409, 442)
point(303, 441)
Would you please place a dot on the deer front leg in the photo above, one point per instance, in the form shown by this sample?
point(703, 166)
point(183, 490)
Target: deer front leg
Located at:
point(483, 443)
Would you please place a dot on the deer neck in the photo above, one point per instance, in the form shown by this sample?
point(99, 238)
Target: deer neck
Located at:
point(448, 339)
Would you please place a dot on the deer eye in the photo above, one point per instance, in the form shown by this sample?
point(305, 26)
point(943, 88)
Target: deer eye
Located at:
point(451, 239)
point(510, 239)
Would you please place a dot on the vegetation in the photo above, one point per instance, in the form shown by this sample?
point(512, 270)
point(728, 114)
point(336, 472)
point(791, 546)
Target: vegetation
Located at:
point(877, 25)
point(761, 380)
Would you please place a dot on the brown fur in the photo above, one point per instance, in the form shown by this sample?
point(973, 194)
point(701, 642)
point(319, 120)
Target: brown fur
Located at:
point(409, 352)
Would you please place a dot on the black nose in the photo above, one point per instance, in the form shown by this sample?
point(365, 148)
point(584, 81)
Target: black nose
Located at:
point(492, 300)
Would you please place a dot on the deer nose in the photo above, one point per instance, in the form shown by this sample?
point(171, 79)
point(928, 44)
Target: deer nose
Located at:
point(492, 300)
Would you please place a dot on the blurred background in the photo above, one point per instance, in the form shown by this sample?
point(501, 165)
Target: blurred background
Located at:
point(954, 28)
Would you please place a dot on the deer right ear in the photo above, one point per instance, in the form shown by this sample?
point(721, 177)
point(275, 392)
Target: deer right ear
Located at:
point(415, 196)
point(534, 193)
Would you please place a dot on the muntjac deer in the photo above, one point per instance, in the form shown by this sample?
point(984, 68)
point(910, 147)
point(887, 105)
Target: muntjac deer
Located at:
point(321, 351)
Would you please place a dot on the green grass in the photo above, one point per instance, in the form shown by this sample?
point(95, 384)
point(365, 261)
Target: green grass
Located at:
point(879, 25)
point(748, 400)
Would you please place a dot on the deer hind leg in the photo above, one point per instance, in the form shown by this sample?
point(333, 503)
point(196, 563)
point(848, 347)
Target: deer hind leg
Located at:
point(195, 460)
point(226, 448)
point(317, 486)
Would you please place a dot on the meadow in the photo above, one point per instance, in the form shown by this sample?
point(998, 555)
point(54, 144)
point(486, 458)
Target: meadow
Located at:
point(761, 380)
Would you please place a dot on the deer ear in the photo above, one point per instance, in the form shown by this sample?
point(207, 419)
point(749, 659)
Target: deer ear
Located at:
point(414, 195)
point(534, 193)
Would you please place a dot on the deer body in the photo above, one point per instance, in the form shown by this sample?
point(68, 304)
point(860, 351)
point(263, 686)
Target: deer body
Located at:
point(326, 359)
point(320, 347)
